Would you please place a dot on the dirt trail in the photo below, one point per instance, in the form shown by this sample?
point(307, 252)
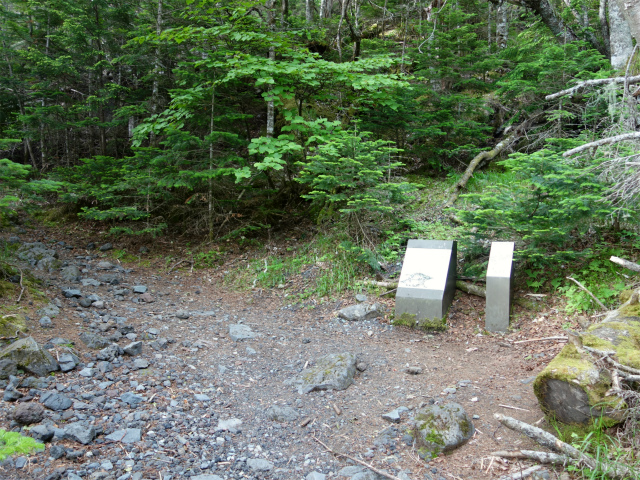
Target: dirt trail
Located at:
point(244, 378)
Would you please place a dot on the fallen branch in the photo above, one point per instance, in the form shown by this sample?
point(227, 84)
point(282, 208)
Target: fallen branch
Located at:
point(575, 456)
point(587, 290)
point(514, 408)
point(178, 263)
point(364, 464)
point(540, 339)
point(538, 456)
point(625, 263)
point(471, 288)
point(603, 141)
point(600, 81)
point(521, 474)
point(475, 163)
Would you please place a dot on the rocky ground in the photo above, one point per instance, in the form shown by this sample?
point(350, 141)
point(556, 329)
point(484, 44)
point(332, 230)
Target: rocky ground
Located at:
point(170, 375)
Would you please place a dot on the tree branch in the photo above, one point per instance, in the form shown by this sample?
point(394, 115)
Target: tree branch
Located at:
point(588, 83)
point(604, 141)
point(625, 263)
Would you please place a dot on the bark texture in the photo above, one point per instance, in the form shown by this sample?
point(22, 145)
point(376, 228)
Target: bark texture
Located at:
point(619, 36)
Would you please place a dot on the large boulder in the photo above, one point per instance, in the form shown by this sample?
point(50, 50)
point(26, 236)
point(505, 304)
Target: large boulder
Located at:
point(331, 372)
point(441, 428)
point(28, 355)
point(11, 324)
point(575, 387)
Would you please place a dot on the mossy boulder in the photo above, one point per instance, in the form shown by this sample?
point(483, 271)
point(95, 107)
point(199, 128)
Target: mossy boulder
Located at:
point(29, 356)
point(441, 428)
point(11, 324)
point(331, 372)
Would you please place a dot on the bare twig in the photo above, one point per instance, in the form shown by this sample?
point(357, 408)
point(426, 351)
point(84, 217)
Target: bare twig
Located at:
point(514, 408)
point(541, 339)
point(364, 464)
point(538, 456)
point(178, 263)
point(521, 474)
point(587, 290)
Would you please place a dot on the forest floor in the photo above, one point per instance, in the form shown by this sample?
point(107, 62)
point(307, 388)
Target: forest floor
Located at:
point(489, 373)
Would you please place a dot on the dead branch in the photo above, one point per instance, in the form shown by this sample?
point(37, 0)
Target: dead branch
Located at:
point(587, 83)
point(370, 467)
point(540, 339)
point(625, 263)
point(587, 290)
point(612, 470)
point(475, 163)
point(178, 263)
point(538, 456)
point(521, 474)
point(472, 289)
point(603, 141)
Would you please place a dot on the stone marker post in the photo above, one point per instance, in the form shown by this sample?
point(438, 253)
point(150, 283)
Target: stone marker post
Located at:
point(427, 282)
point(499, 280)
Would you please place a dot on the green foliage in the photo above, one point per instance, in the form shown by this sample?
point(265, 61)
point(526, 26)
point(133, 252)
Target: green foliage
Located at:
point(353, 174)
point(552, 204)
point(14, 443)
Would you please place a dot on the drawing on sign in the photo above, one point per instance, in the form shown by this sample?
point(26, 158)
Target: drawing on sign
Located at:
point(415, 280)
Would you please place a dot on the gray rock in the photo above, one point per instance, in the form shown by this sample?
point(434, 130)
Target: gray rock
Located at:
point(282, 414)
point(104, 367)
point(132, 399)
point(139, 289)
point(128, 435)
point(80, 433)
point(85, 302)
point(182, 314)
point(361, 298)
point(49, 311)
point(393, 416)
point(441, 428)
point(239, 332)
point(94, 341)
point(28, 355)
point(7, 368)
point(42, 433)
point(350, 471)
point(106, 247)
point(55, 401)
point(20, 463)
point(87, 372)
point(71, 293)
point(11, 394)
point(361, 311)
point(110, 352)
point(34, 382)
point(231, 424)
point(90, 282)
point(110, 278)
point(28, 413)
point(316, 476)
point(332, 372)
point(259, 465)
point(70, 274)
point(414, 370)
point(68, 362)
point(45, 322)
point(56, 452)
point(140, 363)
point(206, 477)
point(202, 397)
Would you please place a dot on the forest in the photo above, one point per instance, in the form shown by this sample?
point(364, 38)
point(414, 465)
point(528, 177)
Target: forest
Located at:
point(230, 121)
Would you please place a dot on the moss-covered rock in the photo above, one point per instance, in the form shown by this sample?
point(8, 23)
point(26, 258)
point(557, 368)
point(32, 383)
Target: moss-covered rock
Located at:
point(11, 324)
point(441, 428)
point(28, 355)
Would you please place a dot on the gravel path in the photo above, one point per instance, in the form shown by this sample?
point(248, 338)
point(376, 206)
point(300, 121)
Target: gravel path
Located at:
point(204, 395)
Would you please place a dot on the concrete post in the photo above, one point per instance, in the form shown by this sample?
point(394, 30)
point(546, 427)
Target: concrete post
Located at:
point(499, 281)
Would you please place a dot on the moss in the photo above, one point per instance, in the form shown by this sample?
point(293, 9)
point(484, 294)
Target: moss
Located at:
point(434, 324)
point(406, 320)
point(630, 310)
point(625, 340)
point(12, 323)
point(625, 295)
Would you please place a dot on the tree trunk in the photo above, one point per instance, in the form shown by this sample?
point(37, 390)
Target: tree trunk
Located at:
point(309, 11)
point(284, 11)
point(631, 11)
point(271, 111)
point(502, 25)
point(155, 88)
point(620, 40)
point(544, 9)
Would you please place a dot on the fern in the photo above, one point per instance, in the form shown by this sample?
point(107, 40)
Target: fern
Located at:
point(13, 442)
